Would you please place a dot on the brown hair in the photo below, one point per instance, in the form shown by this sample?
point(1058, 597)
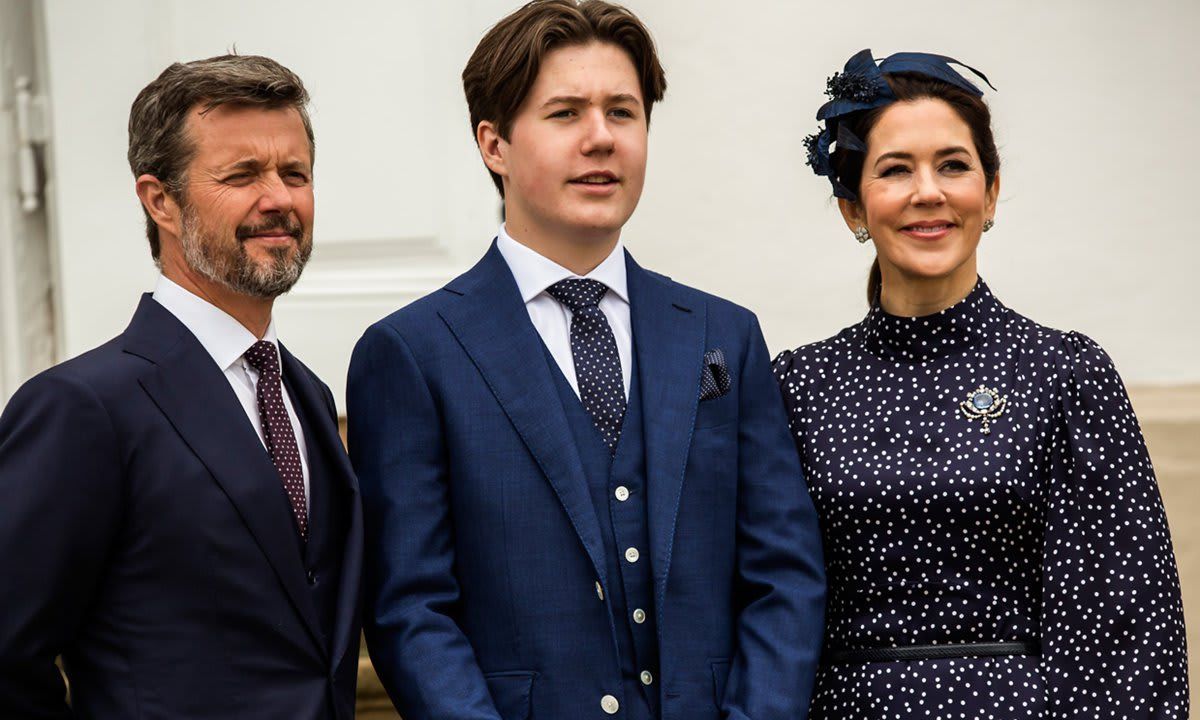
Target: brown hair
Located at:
point(505, 64)
point(910, 86)
point(159, 144)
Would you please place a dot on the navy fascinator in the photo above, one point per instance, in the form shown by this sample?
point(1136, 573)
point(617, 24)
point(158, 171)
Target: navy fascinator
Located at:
point(861, 86)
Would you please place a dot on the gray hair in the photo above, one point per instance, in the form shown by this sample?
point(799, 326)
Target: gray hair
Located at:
point(159, 144)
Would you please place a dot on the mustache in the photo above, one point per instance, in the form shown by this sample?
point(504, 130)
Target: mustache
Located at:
point(277, 222)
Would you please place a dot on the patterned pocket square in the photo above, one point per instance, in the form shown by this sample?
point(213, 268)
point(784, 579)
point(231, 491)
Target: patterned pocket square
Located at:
point(714, 380)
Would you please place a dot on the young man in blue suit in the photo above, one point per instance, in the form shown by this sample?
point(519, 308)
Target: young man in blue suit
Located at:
point(580, 494)
point(180, 521)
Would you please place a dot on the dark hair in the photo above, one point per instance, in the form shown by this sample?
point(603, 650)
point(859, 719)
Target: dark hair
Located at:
point(159, 143)
point(506, 62)
point(910, 86)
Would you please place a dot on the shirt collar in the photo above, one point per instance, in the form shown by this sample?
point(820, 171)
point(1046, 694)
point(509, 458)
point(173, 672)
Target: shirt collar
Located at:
point(223, 337)
point(535, 272)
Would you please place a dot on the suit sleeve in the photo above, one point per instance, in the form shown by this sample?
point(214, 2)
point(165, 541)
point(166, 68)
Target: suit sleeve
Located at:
point(60, 493)
point(421, 654)
point(780, 584)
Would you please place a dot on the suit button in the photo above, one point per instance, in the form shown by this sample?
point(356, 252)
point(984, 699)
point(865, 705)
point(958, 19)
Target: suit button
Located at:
point(632, 555)
point(609, 704)
point(639, 616)
point(646, 677)
point(622, 493)
point(312, 578)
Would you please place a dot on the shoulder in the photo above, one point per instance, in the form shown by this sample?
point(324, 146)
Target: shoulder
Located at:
point(718, 310)
point(85, 386)
point(806, 362)
point(1062, 353)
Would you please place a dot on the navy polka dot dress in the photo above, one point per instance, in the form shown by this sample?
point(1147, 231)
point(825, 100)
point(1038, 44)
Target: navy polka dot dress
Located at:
point(981, 478)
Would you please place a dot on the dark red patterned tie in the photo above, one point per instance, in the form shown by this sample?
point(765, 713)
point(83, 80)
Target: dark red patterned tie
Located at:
point(277, 428)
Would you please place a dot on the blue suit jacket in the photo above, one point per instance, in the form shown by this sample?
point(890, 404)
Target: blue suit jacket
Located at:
point(484, 558)
point(145, 536)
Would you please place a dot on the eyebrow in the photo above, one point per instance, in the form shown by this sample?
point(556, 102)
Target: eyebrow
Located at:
point(580, 100)
point(897, 155)
point(253, 164)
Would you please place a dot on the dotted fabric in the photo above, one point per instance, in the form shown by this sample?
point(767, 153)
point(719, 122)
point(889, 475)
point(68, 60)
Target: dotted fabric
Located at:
point(714, 380)
point(1049, 528)
point(277, 428)
point(594, 350)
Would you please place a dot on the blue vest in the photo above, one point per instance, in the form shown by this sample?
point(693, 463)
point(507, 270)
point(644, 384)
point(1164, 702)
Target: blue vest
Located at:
point(618, 490)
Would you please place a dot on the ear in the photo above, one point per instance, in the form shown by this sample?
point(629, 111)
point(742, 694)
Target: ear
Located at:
point(491, 147)
point(852, 213)
point(991, 197)
point(161, 207)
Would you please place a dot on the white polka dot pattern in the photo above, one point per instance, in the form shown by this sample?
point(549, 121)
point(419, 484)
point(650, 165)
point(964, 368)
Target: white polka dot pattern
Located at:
point(277, 428)
point(1049, 528)
point(594, 350)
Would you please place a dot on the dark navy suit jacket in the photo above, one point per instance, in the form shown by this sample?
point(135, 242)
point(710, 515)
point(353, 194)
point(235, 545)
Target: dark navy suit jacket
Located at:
point(145, 536)
point(485, 564)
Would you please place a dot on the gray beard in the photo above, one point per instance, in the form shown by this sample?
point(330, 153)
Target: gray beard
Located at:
point(229, 265)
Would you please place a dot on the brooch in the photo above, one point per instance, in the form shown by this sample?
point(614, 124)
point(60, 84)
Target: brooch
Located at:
point(984, 404)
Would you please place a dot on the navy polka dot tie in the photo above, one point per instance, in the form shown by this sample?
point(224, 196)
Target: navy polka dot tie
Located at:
point(277, 428)
point(594, 349)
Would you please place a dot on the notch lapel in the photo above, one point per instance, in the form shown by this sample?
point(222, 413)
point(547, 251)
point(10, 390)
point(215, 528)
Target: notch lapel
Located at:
point(191, 390)
point(668, 337)
point(493, 326)
point(321, 415)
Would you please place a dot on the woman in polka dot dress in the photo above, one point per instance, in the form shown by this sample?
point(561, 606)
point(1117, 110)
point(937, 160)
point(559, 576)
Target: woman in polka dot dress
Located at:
point(995, 542)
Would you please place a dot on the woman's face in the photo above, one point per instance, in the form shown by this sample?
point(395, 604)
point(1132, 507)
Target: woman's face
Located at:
point(923, 196)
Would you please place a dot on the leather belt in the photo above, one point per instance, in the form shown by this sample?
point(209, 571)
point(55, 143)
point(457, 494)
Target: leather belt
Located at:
point(933, 652)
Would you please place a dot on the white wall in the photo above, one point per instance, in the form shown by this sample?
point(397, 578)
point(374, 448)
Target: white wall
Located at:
point(1098, 116)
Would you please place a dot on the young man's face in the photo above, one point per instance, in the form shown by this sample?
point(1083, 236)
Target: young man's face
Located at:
point(575, 161)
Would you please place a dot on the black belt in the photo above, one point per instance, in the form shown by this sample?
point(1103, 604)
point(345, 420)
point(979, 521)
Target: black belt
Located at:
point(933, 652)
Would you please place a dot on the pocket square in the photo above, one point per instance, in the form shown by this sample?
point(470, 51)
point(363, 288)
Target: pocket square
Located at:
point(714, 380)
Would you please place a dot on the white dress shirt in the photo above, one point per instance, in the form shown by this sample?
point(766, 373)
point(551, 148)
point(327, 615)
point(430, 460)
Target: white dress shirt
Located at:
point(534, 273)
point(227, 341)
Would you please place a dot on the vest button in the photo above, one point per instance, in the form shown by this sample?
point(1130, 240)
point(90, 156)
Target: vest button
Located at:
point(622, 493)
point(609, 704)
point(599, 591)
point(639, 616)
point(312, 578)
point(632, 555)
point(647, 678)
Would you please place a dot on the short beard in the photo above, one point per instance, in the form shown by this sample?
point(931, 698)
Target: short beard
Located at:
point(225, 260)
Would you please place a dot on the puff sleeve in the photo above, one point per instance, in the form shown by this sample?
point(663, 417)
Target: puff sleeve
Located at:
point(1112, 617)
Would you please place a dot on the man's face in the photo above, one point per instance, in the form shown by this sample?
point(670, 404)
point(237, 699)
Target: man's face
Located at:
point(247, 207)
point(575, 160)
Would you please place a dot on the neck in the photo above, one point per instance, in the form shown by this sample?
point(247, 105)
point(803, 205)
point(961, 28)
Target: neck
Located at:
point(252, 312)
point(578, 252)
point(913, 296)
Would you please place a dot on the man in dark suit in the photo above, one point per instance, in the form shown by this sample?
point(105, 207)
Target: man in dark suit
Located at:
point(180, 522)
point(581, 498)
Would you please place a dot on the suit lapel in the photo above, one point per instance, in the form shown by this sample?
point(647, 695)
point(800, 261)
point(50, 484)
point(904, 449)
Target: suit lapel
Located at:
point(315, 411)
point(493, 326)
point(668, 338)
point(191, 392)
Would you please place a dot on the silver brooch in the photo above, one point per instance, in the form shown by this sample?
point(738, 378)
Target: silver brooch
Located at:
point(984, 404)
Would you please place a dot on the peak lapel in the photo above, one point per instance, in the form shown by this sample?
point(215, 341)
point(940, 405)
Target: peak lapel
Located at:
point(668, 337)
point(191, 391)
point(493, 326)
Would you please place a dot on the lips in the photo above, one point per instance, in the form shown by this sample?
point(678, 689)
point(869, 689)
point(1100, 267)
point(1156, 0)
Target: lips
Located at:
point(600, 177)
point(928, 230)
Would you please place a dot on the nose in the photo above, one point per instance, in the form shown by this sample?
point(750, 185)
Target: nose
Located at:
point(276, 196)
point(598, 137)
point(927, 190)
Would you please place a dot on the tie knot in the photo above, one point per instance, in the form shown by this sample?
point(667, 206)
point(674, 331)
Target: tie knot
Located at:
point(578, 293)
point(263, 357)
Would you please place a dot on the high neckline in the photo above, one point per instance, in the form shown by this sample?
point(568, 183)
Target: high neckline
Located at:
point(965, 324)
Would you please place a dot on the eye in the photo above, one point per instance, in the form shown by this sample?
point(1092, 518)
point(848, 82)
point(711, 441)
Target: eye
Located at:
point(894, 170)
point(622, 113)
point(955, 166)
point(241, 178)
point(296, 178)
point(566, 113)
